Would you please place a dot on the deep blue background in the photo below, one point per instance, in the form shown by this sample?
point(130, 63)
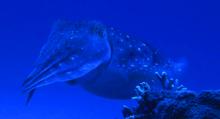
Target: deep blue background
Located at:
point(188, 29)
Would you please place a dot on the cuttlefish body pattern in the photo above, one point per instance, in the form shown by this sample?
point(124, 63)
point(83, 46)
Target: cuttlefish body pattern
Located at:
point(99, 58)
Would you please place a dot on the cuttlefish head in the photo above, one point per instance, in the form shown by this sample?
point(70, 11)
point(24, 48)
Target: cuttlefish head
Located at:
point(72, 51)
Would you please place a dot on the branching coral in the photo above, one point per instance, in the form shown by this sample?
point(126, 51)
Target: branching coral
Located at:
point(173, 102)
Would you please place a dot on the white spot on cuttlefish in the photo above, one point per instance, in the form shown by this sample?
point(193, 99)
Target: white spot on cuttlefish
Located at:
point(127, 36)
point(145, 65)
point(72, 58)
point(121, 40)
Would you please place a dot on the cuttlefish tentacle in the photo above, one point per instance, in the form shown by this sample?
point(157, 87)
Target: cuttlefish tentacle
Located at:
point(75, 51)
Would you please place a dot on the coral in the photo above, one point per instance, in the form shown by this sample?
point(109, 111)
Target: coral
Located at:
point(173, 102)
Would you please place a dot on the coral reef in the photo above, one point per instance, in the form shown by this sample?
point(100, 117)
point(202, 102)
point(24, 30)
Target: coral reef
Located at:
point(173, 102)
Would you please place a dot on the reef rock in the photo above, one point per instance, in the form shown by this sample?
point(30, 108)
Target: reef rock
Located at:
point(174, 104)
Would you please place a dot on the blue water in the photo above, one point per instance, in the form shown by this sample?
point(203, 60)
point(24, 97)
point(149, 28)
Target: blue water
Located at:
point(181, 29)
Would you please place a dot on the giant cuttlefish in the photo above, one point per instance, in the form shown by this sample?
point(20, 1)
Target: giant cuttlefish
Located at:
point(99, 58)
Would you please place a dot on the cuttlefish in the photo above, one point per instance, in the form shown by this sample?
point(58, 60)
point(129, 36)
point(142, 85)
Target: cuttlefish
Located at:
point(101, 59)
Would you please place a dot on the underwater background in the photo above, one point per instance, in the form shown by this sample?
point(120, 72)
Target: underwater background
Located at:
point(187, 30)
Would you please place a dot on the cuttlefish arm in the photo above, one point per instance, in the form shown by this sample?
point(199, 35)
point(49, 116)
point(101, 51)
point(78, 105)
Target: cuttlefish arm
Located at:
point(72, 51)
